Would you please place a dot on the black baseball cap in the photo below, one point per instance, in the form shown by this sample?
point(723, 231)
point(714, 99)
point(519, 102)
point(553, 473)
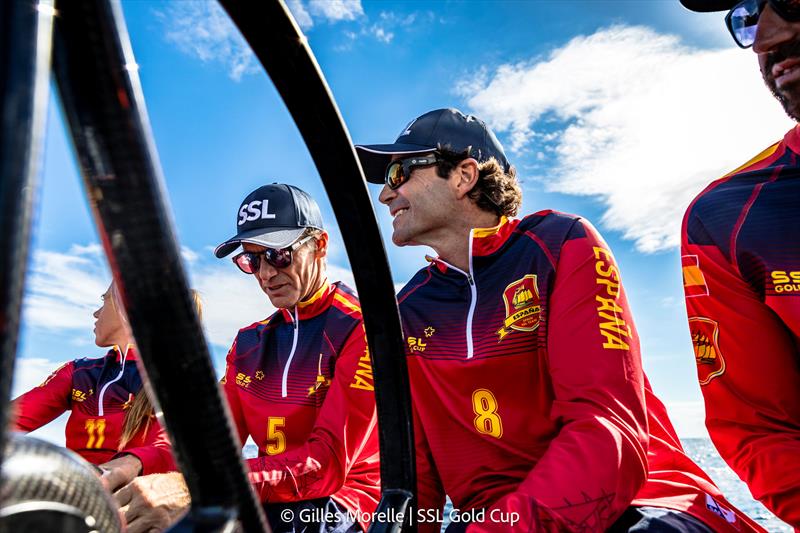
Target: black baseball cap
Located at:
point(274, 216)
point(707, 6)
point(442, 127)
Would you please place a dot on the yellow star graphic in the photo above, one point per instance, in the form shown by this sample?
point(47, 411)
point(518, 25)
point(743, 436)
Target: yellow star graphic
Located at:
point(125, 405)
point(259, 375)
point(429, 331)
point(321, 382)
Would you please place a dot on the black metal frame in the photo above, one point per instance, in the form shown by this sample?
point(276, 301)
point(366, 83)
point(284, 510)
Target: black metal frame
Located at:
point(104, 105)
point(102, 98)
point(25, 41)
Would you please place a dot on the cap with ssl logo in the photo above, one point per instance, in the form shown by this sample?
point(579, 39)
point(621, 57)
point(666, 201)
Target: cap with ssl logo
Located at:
point(274, 216)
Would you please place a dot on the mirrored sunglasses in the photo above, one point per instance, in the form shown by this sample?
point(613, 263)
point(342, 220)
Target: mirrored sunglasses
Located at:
point(399, 170)
point(250, 262)
point(742, 19)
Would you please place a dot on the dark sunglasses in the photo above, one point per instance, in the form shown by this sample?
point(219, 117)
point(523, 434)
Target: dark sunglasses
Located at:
point(250, 262)
point(399, 170)
point(742, 19)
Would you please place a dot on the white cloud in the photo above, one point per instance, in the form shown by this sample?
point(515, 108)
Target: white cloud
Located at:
point(395, 19)
point(189, 255)
point(389, 22)
point(371, 31)
point(338, 273)
point(231, 301)
point(336, 10)
point(92, 249)
point(300, 13)
point(634, 118)
point(204, 30)
point(30, 372)
point(381, 34)
point(64, 289)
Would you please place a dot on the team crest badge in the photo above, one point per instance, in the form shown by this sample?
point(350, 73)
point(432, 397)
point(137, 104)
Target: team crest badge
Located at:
point(523, 306)
point(705, 340)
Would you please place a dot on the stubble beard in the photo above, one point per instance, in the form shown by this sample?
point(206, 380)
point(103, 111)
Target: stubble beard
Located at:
point(789, 96)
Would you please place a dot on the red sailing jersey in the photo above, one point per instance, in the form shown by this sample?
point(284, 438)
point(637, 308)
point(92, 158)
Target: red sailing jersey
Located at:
point(97, 392)
point(300, 384)
point(741, 271)
point(529, 396)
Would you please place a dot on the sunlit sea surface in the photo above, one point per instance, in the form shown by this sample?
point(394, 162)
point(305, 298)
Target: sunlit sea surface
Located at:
point(705, 455)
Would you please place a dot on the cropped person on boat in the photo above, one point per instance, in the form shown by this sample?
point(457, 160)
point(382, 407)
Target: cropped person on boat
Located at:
point(112, 422)
point(741, 272)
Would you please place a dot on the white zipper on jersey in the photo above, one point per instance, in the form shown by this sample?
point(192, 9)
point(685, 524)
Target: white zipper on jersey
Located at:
point(284, 391)
point(100, 409)
point(473, 299)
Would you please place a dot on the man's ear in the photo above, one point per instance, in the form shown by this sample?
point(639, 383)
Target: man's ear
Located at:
point(322, 245)
point(465, 177)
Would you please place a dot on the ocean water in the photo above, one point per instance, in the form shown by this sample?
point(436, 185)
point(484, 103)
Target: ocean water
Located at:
point(702, 451)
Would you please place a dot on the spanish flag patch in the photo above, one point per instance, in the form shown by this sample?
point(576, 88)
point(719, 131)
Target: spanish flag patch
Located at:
point(694, 283)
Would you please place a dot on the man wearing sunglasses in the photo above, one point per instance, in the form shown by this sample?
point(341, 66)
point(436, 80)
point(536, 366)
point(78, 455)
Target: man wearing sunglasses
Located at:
point(530, 405)
point(741, 269)
point(300, 382)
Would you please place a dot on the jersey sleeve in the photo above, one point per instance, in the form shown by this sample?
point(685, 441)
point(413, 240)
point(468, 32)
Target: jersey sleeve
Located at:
point(595, 465)
point(430, 492)
point(232, 395)
point(46, 402)
point(153, 449)
point(747, 365)
point(345, 427)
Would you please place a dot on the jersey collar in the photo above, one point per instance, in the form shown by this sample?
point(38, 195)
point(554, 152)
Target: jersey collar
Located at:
point(792, 139)
point(313, 305)
point(485, 241)
point(129, 351)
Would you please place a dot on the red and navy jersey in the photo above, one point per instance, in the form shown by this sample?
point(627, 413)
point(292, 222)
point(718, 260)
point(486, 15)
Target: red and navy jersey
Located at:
point(300, 384)
point(97, 392)
point(528, 390)
point(741, 270)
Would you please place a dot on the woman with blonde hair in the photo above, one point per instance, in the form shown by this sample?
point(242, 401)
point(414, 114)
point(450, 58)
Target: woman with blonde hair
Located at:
point(112, 421)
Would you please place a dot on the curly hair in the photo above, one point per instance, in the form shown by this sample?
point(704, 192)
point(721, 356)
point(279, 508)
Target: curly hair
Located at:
point(496, 190)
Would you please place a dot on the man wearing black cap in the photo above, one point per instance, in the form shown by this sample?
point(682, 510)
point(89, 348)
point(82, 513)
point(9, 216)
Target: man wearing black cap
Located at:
point(300, 382)
point(531, 410)
point(741, 269)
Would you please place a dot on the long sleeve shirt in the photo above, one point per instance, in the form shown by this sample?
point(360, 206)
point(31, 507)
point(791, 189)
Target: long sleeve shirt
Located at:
point(741, 271)
point(529, 395)
point(300, 384)
point(97, 392)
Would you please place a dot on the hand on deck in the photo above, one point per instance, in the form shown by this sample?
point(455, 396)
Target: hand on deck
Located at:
point(119, 472)
point(152, 503)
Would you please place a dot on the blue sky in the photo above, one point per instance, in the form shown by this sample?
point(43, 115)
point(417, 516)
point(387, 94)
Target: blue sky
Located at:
point(618, 111)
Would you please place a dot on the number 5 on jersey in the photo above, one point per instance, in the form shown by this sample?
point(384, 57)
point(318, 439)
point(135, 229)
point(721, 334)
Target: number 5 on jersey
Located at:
point(487, 421)
point(276, 438)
